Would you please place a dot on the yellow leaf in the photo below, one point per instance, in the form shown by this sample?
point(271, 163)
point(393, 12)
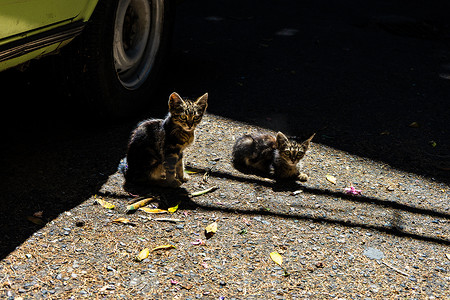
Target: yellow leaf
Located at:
point(139, 204)
point(123, 221)
point(142, 255)
point(331, 178)
point(190, 172)
point(103, 203)
point(164, 247)
point(448, 255)
point(211, 228)
point(153, 210)
point(173, 209)
point(276, 257)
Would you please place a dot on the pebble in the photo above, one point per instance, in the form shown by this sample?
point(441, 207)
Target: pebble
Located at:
point(373, 253)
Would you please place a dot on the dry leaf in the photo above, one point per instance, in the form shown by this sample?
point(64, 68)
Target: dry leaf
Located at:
point(211, 228)
point(331, 178)
point(173, 209)
point(164, 247)
point(211, 189)
point(35, 220)
point(123, 221)
point(414, 125)
point(448, 255)
point(139, 204)
point(153, 210)
point(142, 255)
point(276, 257)
point(190, 172)
point(38, 214)
point(103, 203)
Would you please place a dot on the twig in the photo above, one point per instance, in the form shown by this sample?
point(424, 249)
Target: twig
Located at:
point(199, 193)
point(168, 220)
point(395, 269)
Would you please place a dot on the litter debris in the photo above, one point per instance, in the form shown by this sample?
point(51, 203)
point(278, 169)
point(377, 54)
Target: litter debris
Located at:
point(198, 242)
point(352, 191)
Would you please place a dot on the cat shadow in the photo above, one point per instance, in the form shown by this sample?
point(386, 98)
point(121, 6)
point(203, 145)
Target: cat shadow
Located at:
point(394, 229)
point(275, 185)
point(291, 186)
point(164, 197)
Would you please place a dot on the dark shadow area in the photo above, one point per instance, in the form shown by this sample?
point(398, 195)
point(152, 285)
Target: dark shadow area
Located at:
point(358, 74)
point(164, 197)
point(54, 154)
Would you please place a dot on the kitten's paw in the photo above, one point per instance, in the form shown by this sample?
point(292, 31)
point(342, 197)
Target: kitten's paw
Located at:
point(303, 177)
point(185, 178)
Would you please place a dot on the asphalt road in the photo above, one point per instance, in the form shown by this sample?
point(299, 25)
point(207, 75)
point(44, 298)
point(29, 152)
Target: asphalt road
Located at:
point(358, 75)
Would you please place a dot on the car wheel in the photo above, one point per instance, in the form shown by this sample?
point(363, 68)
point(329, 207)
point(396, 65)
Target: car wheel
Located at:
point(119, 56)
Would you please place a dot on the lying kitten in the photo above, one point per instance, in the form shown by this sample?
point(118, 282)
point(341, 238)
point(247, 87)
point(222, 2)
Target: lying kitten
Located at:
point(269, 156)
point(155, 149)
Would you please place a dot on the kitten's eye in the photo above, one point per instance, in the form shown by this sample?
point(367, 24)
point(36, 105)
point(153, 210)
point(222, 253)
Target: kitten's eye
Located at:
point(183, 117)
point(287, 152)
point(196, 118)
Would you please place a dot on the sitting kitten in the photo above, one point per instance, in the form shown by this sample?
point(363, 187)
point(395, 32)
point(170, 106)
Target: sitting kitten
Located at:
point(155, 149)
point(269, 156)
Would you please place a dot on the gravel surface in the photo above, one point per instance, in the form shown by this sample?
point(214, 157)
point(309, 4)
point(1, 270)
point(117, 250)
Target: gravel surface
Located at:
point(390, 242)
point(371, 80)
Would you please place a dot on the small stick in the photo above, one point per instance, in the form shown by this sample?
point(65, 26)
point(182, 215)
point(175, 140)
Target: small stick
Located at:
point(211, 189)
point(169, 220)
point(395, 269)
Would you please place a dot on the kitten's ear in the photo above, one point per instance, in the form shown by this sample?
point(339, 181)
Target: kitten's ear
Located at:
point(281, 140)
point(203, 101)
point(307, 142)
point(175, 100)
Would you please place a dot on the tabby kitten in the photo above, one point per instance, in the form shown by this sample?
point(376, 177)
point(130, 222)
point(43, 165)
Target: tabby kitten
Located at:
point(155, 148)
point(269, 156)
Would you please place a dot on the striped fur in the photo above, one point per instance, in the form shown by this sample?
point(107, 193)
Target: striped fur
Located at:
point(269, 156)
point(155, 149)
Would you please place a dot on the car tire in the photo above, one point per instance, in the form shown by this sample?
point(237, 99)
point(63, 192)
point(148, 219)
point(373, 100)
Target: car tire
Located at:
point(118, 57)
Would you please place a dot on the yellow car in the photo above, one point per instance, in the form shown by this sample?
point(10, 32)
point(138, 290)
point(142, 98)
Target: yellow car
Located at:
point(118, 49)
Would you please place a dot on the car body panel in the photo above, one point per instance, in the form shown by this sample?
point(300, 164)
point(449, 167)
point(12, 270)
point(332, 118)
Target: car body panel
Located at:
point(22, 20)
